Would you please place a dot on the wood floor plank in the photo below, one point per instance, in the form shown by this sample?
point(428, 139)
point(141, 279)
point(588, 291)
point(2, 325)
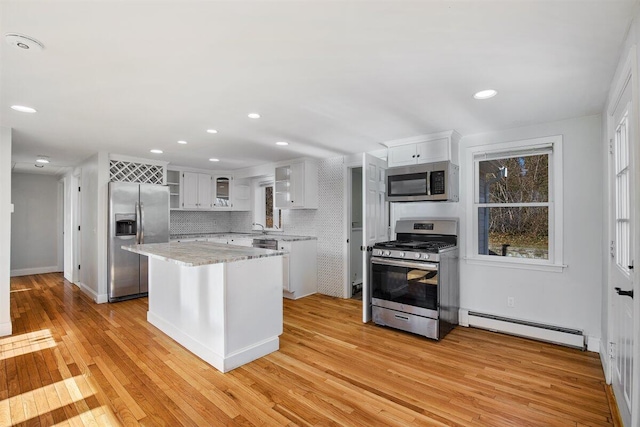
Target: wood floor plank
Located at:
point(73, 362)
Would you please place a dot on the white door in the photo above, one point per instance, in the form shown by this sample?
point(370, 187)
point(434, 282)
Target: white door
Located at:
point(622, 257)
point(374, 221)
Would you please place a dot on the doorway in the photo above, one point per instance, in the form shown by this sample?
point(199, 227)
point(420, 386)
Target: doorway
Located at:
point(355, 232)
point(623, 311)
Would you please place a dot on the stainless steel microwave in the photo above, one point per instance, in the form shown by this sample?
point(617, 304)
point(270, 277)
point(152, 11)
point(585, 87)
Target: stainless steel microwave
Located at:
point(424, 182)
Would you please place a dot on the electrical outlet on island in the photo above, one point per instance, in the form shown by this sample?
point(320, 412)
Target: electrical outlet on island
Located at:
point(511, 302)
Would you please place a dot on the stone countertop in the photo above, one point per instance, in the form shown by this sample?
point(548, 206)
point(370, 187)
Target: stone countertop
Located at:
point(193, 254)
point(257, 235)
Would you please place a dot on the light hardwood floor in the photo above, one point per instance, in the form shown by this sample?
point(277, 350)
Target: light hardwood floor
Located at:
point(72, 362)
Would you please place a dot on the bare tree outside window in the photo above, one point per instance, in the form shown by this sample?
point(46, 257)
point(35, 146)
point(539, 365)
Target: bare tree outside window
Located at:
point(270, 221)
point(513, 206)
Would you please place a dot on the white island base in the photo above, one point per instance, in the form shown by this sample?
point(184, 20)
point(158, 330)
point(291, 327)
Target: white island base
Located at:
point(228, 314)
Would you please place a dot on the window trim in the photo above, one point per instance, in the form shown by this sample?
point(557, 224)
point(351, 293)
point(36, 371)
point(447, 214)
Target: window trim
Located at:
point(475, 154)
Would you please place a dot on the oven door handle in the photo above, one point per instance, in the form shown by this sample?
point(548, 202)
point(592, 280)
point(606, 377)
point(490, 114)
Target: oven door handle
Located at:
point(397, 263)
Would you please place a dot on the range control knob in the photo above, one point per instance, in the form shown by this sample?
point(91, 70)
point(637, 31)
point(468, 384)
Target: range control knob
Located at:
point(387, 253)
point(417, 255)
point(425, 256)
point(401, 254)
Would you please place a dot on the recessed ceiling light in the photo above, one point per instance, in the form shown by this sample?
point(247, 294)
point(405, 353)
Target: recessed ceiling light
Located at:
point(23, 42)
point(212, 131)
point(214, 160)
point(282, 143)
point(485, 94)
point(182, 142)
point(42, 160)
point(156, 151)
point(23, 109)
point(253, 115)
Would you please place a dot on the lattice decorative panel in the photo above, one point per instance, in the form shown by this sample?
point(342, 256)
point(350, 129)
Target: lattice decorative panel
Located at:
point(123, 171)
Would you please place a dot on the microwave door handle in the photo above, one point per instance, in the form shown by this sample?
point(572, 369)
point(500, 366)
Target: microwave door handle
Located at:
point(428, 183)
point(409, 264)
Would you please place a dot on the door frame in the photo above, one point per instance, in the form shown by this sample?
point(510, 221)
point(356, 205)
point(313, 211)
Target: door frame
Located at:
point(629, 75)
point(350, 162)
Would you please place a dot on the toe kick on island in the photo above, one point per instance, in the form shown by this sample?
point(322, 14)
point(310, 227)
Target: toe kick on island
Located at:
point(227, 313)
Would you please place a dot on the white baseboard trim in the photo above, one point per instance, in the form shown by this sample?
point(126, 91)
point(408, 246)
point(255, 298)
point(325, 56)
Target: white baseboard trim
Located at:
point(220, 362)
point(606, 361)
point(534, 330)
point(97, 298)
point(593, 344)
point(37, 270)
point(290, 295)
point(5, 329)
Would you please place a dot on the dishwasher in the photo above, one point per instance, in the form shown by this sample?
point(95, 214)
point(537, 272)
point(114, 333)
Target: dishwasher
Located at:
point(273, 244)
point(265, 244)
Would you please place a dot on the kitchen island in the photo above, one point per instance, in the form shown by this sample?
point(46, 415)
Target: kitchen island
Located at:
point(221, 302)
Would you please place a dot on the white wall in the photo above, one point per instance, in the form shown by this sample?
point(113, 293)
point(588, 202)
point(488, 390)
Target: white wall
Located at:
point(35, 225)
point(5, 230)
point(327, 224)
point(70, 213)
point(93, 220)
point(571, 298)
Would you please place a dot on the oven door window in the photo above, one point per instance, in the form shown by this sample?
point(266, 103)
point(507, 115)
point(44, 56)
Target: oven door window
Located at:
point(405, 285)
point(414, 184)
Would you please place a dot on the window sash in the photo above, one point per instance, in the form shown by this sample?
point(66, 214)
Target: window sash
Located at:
point(529, 150)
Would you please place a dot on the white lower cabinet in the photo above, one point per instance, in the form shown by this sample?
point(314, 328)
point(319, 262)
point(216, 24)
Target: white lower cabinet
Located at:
point(300, 269)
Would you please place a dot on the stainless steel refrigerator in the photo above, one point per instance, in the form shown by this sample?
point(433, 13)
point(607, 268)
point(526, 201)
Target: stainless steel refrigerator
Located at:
point(138, 213)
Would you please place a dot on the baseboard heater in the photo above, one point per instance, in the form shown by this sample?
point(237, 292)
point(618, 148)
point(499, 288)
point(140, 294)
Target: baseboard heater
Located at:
point(539, 331)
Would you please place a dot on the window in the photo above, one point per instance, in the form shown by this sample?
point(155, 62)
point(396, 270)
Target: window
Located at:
point(514, 215)
point(622, 212)
point(265, 213)
point(273, 216)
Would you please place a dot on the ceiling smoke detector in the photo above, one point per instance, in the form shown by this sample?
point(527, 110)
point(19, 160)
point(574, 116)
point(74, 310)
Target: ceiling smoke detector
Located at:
point(23, 42)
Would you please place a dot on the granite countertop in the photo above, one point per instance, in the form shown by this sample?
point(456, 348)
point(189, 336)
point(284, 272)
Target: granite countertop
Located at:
point(192, 254)
point(255, 235)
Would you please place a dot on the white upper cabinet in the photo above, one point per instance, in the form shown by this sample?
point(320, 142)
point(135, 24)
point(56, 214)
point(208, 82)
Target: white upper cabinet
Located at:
point(297, 185)
point(240, 195)
point(173, 182)
point(437, 147)
point(195, 189)
point(205, 201)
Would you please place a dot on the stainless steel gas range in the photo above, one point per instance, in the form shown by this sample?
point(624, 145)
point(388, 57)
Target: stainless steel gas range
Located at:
point(415, 280)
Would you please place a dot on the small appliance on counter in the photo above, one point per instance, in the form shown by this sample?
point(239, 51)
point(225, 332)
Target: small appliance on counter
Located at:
point(138, 213)
point(415, 281)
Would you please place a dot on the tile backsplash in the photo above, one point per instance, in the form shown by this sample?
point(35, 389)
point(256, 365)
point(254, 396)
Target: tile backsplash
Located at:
point(195, 222)
point(241, 221)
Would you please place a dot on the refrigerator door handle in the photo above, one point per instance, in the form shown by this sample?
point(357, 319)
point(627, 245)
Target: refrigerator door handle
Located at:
point(141, 223)
point(137, 223)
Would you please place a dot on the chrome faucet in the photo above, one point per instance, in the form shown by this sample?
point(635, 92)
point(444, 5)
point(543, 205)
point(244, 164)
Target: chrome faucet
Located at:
point(263, 230)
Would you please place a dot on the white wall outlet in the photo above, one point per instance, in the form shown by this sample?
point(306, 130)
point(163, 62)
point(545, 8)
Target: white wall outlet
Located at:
point(215, 222)
point(511, 302)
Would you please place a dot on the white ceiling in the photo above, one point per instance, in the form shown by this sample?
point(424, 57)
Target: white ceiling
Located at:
point(328, 77)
